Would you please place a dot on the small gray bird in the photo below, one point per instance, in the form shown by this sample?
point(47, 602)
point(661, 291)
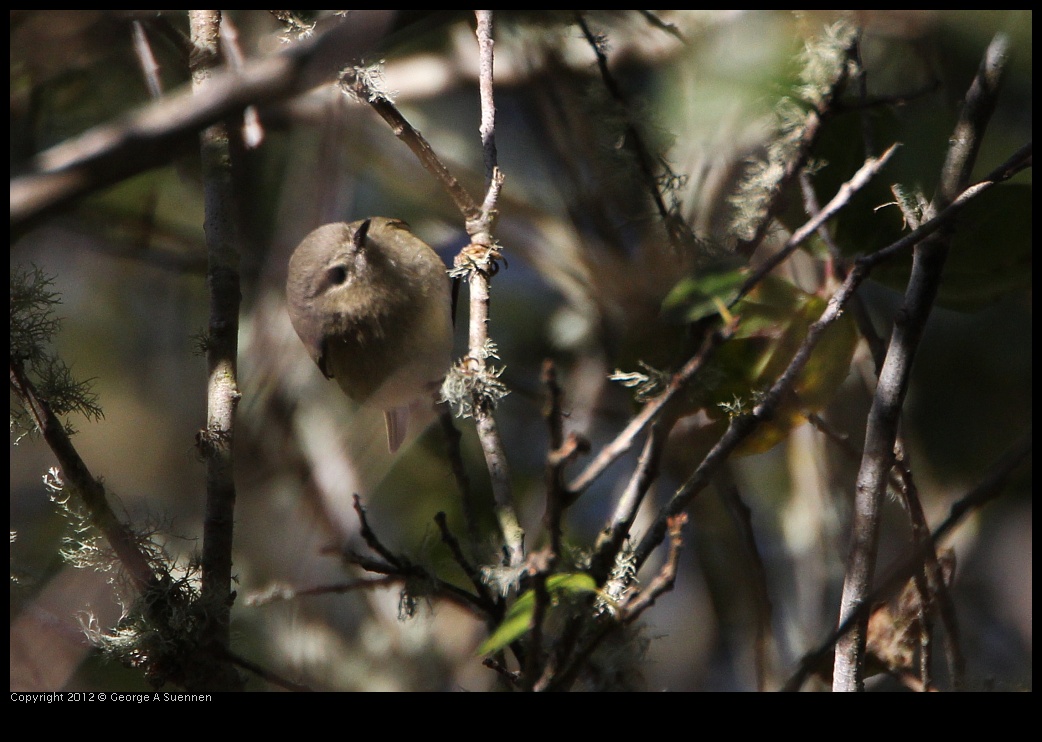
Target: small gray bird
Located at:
point(371, 302)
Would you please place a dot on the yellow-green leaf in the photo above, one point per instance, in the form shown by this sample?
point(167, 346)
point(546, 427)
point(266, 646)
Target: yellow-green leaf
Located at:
point(518, 619)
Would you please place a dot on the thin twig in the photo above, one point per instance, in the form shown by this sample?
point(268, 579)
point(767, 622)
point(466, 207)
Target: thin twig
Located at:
point(670, 28)
point(265, 674)
point(562, 450)
point(459, 472)
point(633, 138)
point(840, 266)
point(541, 564)
point(664, 580)
point(370, 538)
point(933, 588)
point(742, 516)
point(614, 535)
point(624, 441)
point(359, 86)
point(846, 191)
point(457, 554)
point(513, 678)
point(402, 570)
point(553, 412)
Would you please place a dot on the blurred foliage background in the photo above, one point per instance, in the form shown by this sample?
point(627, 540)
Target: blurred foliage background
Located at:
point(588, 270)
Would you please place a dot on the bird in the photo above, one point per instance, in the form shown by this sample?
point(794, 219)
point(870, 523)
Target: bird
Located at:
point(372, 304)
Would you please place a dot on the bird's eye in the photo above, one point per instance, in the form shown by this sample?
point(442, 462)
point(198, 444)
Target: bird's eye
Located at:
point(337, 275)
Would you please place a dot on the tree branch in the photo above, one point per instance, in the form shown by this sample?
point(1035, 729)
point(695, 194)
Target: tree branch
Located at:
point(881, 431)
point(215, 442)
point(989, 488)
point(158, 132)
point(481, 255)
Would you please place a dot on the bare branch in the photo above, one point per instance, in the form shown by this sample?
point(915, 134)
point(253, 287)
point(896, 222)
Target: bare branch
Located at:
point(664, 580)
point(481, 254)
point(222, 394)
point(369, 536)
point(614, 534)
point(989, 488)
point(357, 84)
point(457, 554)
point(402, 570)
point(485, 87)
point(878, 457)
point(624, 440)
point(846, 191)
point(158, 132)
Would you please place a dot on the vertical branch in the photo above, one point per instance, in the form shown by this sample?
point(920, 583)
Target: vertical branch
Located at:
point(488, 105)
point(645, 160)
point(563, 449)
point(252, 129)
point(481, 255)
point(742, 516)
point(555, 459)
point(612, 537)
point(215, 442)
point(878, 457)
point(902, 483)
point(459, 472)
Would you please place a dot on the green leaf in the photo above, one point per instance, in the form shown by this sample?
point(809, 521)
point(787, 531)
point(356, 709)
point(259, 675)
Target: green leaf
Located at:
point(518, 619)
point(693, 298)
point(775, 319)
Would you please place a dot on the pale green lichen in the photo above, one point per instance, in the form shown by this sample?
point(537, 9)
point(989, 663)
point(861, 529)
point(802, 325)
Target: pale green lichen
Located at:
point(825, 65)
